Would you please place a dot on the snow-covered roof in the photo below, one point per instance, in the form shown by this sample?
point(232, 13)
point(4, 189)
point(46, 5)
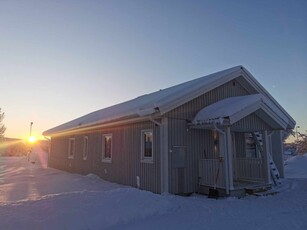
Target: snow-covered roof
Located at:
point(163, 101)
point(234, 109)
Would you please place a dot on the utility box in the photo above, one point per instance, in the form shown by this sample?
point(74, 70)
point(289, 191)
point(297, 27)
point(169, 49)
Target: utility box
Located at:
point(179, 157)
point(179, 163)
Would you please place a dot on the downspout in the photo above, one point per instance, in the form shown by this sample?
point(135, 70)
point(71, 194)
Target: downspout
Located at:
point(155, 122)
point(164, 186)
point(217, 129)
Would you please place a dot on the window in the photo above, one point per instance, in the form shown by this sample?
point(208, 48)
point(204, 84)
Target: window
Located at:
point(85, 147)
point(107, 148)
point(147, 146)
point(71, 148)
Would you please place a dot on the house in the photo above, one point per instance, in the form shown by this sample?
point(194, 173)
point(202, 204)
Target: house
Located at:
point(183, 139)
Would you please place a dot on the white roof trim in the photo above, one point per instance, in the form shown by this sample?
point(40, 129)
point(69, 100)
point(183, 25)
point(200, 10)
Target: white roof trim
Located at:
point(250, 78)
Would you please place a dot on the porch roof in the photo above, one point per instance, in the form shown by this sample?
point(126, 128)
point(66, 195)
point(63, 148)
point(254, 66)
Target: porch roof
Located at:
point(230, 110)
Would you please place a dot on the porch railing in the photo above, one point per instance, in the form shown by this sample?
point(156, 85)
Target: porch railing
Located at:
point(250, 169)
point(208, 169)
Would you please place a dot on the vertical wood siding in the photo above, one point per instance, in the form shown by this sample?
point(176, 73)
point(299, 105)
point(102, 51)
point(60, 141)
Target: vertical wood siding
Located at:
point(197, 142)
point(126, 156)
point(250, 123)
point(59, 161)
point(240, 145)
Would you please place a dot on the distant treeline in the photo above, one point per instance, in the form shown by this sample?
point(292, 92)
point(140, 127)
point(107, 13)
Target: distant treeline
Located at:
point(17, 147)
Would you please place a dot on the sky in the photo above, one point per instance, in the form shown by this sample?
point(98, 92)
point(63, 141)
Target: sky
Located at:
point(60, 60)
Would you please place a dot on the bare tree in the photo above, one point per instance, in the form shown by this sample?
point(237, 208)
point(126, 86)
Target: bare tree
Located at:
point(301, 144)
point(286, 134)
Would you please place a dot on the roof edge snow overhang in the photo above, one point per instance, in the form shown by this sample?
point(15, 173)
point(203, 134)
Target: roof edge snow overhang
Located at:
point(97, 125)
point(140, 114)
point(244, 106)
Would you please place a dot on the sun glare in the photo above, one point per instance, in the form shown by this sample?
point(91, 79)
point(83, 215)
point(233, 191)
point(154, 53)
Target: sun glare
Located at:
point(32, 139)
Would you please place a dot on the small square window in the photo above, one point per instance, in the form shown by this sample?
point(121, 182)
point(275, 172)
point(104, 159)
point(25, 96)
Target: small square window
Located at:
point(107, 148)
point(71, 148)
point(147, 146)
point(85, 147)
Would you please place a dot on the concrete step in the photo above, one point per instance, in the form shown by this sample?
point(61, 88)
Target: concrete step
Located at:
point(263, 190)
point(266, 193)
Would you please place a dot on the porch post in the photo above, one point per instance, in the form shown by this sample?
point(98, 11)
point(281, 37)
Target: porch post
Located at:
point(225, 154)
point(266, 160)
point(229, 158)
point(277, 151)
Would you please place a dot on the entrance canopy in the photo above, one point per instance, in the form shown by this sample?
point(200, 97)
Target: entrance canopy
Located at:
point(230, 110)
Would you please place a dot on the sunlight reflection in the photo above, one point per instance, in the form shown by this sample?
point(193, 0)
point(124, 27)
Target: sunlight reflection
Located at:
point(32, 139)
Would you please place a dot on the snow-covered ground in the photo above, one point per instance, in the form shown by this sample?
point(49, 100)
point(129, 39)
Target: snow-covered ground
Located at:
point(33, 196)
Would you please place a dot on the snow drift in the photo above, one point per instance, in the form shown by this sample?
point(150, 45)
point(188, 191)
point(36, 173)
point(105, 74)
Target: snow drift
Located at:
point(35, 197)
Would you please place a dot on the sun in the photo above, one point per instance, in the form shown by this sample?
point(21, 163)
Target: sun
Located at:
point(32, 139)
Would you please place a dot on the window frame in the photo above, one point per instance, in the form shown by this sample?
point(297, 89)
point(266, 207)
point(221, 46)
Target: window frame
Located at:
point(69, 147)
point(85, 147)
point(145, 159)
point(103, 157)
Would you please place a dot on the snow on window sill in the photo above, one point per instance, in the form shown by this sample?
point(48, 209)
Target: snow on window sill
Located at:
point(106, 160)
point(147, 160)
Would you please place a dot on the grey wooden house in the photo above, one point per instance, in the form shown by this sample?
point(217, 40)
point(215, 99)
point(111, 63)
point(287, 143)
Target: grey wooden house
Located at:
point(176, 140)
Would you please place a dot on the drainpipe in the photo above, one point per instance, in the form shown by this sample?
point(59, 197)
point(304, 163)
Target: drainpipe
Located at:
point(163, 153)
point(154, 121)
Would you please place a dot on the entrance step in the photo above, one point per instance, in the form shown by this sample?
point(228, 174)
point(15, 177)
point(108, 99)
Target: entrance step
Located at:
point(264, 190)
point(266, 193)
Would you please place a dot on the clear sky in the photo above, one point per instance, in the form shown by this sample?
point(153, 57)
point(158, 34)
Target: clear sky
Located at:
point(60, 60)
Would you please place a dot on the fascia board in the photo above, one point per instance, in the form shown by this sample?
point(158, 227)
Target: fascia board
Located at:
point(256, 85)
point(273, 115)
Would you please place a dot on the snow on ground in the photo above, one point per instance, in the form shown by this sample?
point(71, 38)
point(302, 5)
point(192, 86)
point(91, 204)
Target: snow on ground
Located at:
point(296, 167)
point(33, 196)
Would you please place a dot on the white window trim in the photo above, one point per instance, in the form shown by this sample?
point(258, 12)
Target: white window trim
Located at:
point(103, 158)
point(85, 150)
point(71, 156)
point(143, 158)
